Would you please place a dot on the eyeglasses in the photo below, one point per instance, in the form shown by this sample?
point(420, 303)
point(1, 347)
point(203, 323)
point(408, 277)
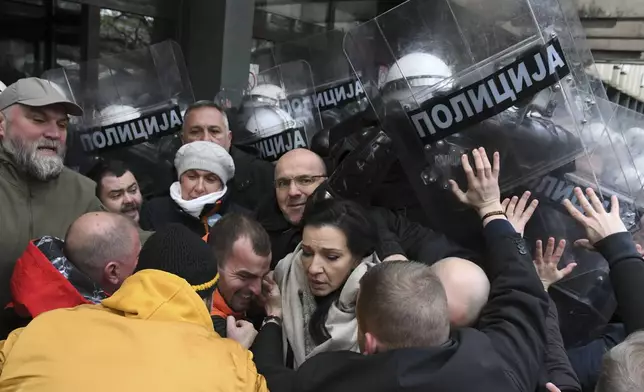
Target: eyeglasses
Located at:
point(300, 181)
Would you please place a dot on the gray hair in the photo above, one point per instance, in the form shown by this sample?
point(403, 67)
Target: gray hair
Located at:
point(623, 366)
point(208, 104)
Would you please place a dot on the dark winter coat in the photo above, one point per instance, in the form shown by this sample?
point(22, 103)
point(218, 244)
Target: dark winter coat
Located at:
point(505, 354)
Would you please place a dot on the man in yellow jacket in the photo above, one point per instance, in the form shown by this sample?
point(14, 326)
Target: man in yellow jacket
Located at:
point(154, 334)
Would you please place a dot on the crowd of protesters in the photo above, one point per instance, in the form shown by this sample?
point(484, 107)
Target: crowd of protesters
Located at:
point(240, 279)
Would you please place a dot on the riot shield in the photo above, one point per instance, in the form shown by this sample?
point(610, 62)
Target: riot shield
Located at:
point(456, 80)
point(133, 104)
point(276, 114)
point(585, 298)
point(339, 94)
point(462, 74)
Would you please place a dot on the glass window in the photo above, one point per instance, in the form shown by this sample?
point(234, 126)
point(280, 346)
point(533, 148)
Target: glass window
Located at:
point(286, 22)
point(121, 32)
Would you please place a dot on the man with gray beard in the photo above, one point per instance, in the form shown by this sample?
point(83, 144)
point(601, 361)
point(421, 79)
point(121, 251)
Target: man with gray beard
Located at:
point(39, 196)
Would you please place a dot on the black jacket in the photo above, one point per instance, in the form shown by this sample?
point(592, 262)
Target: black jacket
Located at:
point(284, 236)
point(398, 235)
point(558, 369)
point(626, 275)
point(161, 211)
point(505, 354)
point(253, 179)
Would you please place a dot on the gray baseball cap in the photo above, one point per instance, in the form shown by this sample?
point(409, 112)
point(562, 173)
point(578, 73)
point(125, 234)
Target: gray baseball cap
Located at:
point(36, 92)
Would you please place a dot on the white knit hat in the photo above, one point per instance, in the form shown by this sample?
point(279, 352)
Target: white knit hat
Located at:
point(207, 156)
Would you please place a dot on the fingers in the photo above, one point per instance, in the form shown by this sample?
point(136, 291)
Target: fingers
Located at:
point(496, 164)
point(614, 205)
point(538, 252)
point(460, 195)
point(268, 279)
point(504, 204)
point(552, 388)
point(559, 251)
point(243, 323)
point(487, 167)
point(639, 249)
point(568, 269)
point(469, 173)
point(585, 205)
point(584, 243)
point(532, 207)
point(550, 248)
point(478, 163)
point(574, 212)
point(512, 206)
point(523, 201)
point(594, 201)
point(231, 323)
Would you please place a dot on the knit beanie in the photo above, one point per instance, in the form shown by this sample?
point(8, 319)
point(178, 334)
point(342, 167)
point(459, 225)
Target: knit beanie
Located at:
point(207, 156)
point(177, 250)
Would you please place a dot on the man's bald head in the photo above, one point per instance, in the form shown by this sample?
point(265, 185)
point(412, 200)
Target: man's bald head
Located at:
point(467, 288)
point(105, 246)
point(300, 156)
point(297, 174)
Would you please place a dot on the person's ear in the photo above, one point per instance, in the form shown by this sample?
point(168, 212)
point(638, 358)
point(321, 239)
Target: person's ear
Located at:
point(111, 272)
point(370, 344)
point(3, 125)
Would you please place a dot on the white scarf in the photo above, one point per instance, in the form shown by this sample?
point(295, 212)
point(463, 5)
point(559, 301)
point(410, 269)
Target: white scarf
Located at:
point(194, 207)
point(341, 322)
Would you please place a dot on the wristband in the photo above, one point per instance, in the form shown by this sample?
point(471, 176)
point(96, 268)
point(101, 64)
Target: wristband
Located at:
point(493, 213)
point(268, 319)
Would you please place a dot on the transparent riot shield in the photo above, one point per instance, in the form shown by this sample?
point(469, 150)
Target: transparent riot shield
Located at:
point(462, 74)
point(585, 298)
point(457, 79)
point(133, 104)
point(339, 94)
point(277, 113)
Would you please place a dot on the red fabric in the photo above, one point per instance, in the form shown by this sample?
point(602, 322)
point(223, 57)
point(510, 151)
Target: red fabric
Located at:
point(37, 286)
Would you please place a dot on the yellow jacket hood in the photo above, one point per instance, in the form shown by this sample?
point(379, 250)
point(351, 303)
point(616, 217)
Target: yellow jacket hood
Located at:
point(160, 296)
point(154, 334)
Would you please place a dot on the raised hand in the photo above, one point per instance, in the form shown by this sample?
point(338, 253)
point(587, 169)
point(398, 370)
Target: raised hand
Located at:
point(519, 211)
point(271, 297)
point(546, 263)
point(598, 223)
point(483, 193)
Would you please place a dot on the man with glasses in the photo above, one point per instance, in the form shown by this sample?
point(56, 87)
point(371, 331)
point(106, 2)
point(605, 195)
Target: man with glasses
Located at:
point(297, 174)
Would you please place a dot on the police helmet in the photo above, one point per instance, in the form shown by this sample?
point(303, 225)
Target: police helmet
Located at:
point(416, 70)
point(119, 114)
point(266, 95)
point(267, 121)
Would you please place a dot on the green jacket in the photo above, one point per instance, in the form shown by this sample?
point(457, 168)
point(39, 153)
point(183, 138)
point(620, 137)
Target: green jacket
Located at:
point(30, 209)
